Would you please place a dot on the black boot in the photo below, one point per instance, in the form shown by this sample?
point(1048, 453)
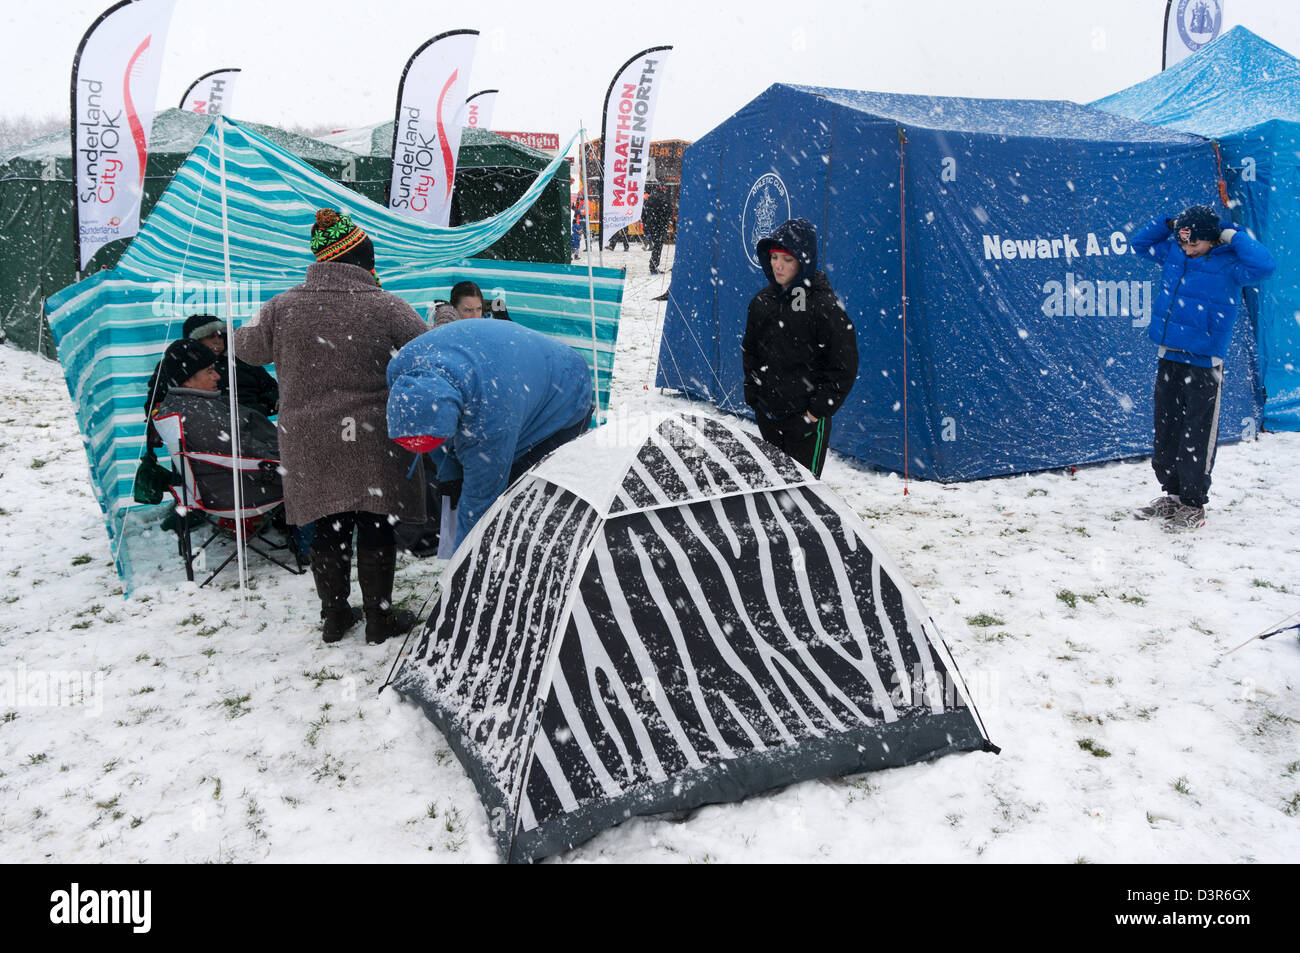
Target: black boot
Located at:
point(375, 571)
point(332, 572)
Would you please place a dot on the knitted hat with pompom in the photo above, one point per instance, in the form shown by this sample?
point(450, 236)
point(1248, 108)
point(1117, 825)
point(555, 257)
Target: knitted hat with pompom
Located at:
point(335, 237)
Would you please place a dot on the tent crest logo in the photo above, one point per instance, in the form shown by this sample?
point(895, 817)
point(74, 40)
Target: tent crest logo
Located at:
point(762, 213)
point(1199, 21)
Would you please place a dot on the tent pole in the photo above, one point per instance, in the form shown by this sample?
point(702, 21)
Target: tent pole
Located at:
point(591, 295)
point(586, 190)
point(232, 375)
point(902, 254)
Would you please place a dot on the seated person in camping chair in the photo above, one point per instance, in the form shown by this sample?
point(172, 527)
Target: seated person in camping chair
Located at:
point(255, 386)
point(193, 391)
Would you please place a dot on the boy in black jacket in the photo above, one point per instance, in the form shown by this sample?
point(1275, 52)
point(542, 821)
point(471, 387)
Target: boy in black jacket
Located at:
point(800, 351)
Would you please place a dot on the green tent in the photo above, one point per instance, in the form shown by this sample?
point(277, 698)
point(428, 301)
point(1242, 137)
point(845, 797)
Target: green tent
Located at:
point(36, 240)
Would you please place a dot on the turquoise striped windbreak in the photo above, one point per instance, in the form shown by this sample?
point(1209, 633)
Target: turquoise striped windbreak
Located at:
point(112, 327)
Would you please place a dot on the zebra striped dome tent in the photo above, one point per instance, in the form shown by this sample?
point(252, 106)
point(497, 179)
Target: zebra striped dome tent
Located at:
point(668, 612)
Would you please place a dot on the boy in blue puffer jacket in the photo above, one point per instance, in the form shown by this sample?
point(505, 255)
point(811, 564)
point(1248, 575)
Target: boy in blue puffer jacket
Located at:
point(1205, 267)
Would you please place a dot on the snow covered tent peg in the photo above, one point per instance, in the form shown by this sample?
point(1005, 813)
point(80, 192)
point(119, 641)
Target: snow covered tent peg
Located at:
point(980, 247)
point(669, 612)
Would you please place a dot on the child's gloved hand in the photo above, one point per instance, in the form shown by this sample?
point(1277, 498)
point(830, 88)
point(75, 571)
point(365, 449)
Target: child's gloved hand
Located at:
point(1225, 236)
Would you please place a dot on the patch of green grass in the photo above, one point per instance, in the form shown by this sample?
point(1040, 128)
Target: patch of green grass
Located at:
point(1094, 749)
point(330, 766)
point(1180, 785)
point(1133, 599)
point(208, 631)
point(38, 463)
point(110, 765)
point(80, 560)
point(1291, 768)
point(1146, 713)
point(1037, 491)
point(1265, 584)
point(1068, 597)
point(1292, 807)
point(236, 705)
point(84, 624)
point(136, 822)
point(108, 805)
point(431, 812)
point(321, 676)
point(315, 729)
point(142, 657)
point(9, 716)
point(143, 691)
point(983, 620)
point(37, 758)
point(1080, 530)
point(193, 619)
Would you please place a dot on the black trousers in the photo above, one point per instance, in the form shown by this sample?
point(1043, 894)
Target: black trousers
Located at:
point(1186, 429)
point(334, 532)
point(656, 249)
point(806, 442)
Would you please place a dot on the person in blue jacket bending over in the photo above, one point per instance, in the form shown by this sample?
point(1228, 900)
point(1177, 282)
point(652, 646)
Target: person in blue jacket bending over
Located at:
point(1205, 265)
point(495, 395)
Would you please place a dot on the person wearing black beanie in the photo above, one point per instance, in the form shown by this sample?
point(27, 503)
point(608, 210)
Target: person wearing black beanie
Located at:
point(256, 387)
point(188, 370)
point(1204, 265)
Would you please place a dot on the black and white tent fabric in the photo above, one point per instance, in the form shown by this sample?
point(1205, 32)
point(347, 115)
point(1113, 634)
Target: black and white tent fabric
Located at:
point(668, 612)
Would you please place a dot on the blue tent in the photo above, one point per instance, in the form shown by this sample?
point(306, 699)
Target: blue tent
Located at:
point(111, 327)
point(981, 249)
point(1244, 92)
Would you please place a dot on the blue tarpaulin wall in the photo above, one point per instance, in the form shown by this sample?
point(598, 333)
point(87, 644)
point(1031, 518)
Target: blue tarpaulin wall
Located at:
point(112, 327)
point(1244, 92)
point(1023, 342)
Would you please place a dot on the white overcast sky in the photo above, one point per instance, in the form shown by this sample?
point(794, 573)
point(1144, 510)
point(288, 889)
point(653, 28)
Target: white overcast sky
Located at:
point(337, 62)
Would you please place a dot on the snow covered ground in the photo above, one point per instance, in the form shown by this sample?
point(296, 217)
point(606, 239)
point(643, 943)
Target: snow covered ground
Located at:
point(1095, 646)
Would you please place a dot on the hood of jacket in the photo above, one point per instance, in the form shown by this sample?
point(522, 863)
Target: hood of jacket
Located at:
point(423, 398)
point(799, 238)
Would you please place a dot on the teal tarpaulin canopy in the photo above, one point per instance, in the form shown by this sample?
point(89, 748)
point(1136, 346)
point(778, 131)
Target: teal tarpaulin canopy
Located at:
point(1244, 92)
point(111, 328)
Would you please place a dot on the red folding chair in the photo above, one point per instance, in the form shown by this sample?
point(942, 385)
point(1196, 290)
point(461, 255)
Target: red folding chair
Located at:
point(224, 521)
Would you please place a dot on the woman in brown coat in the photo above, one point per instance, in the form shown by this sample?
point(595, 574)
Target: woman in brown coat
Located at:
point(330, 339)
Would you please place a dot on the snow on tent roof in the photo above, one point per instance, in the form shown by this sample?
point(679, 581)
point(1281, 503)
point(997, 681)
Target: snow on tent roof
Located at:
point(1237, 82)
point(616, 466)
point(377, 140)
point(1047, 118)
point(179, 131)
